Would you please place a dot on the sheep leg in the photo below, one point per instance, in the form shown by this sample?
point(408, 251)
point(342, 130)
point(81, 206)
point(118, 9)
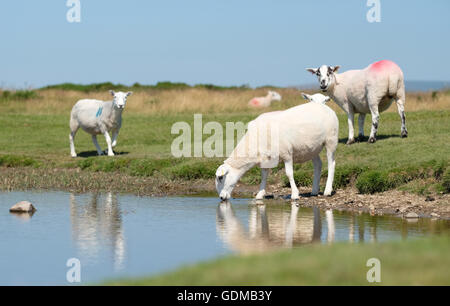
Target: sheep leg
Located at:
point(72, 145)
point(262, 187)
point(401, 110)
point(114, 138)
point(351, 129)
point(97, 146)
point(317, 171)
point(289, 167)
point(331, 166)
point(73, 131)
point(361, 119)
point(375, 121)
point(108, 141)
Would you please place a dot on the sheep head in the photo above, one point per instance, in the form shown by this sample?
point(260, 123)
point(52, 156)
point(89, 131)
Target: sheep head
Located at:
point(120, 98)
point(275, 96)
point(226, 179)
point(325, 75)
point(318, 98)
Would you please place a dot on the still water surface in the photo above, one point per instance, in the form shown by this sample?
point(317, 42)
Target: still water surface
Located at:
point(117, 236)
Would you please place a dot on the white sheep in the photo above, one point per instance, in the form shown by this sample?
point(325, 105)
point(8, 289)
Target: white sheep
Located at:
point(98, 117)
point(265, 101)
point(300, 132)
point(318, 98)
point(370, 90)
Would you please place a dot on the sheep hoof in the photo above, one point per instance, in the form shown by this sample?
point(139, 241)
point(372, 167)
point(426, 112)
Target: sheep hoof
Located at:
point(372, 140)
point(350, 141)
point(404, 134)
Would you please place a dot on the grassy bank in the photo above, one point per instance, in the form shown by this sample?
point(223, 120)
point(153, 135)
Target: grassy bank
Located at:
point(420, 262)
point(34, 139)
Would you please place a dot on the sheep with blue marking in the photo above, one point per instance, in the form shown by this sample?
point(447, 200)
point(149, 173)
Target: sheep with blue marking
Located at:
point(98, 117)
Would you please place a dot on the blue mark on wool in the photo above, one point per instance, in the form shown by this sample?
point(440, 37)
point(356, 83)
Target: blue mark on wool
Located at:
point(99, 112)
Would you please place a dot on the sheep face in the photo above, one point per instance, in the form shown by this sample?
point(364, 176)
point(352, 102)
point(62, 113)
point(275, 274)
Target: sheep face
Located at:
point(318, 98)
point(226, 179)
point(325, 75)
point(120, 98)
point(275, 95)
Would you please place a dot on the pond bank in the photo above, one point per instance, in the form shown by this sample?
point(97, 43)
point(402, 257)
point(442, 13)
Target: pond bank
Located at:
point(75, 180)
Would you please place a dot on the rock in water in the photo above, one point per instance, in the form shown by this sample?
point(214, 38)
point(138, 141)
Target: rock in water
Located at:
point(22, 207)
point(412, 215)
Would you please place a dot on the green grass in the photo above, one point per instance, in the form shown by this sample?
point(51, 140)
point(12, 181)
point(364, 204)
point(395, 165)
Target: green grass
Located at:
point(145, 140)
point(418, 262)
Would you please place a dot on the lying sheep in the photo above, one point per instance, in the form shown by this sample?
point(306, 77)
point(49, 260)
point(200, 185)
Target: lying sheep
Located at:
point(300, 132)
point(98, 117)
point(265, 101)
point(370, 90)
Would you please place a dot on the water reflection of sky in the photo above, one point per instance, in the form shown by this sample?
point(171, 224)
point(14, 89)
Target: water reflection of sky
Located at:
point(122, 236)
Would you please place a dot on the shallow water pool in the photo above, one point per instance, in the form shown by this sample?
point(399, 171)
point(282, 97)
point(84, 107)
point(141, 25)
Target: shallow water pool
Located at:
point(115, 236)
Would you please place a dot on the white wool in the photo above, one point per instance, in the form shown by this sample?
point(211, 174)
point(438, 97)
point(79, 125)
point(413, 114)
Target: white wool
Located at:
point(367, 91)
point(98, 117)
point(302, 132)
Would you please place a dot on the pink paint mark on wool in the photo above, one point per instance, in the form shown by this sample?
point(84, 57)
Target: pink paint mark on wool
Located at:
point(384, 66)
point(255, 102)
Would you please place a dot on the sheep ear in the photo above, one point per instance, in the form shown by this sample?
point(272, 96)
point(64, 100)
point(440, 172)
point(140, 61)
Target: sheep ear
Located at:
point(306, 97)
point(312, 70)
point(129, 93)
point(112, 93)
point(335, 68)
point(222, 170)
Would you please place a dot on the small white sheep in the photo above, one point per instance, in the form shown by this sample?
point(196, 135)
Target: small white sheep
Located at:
point(370, 90)
point(301, 133)
point(98, 117)
point(265, 101)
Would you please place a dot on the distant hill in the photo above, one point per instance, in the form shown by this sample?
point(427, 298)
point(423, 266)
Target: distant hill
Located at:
point(426, 85)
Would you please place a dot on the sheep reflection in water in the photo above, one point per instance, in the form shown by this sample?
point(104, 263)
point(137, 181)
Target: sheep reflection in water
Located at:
point(97, 225)
point(271, 227)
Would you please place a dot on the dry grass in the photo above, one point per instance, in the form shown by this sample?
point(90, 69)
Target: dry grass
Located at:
point(194, 100)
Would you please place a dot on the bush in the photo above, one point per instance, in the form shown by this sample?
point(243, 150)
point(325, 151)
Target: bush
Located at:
point(301, 177)
point(446, 181)
point(189, 171)
point(147, 167)
point(344, 176)
point(18, 95)
point(372, 182)
point(17, 161)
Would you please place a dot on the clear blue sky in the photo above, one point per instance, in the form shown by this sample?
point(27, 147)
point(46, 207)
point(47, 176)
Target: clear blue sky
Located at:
point(230, 42)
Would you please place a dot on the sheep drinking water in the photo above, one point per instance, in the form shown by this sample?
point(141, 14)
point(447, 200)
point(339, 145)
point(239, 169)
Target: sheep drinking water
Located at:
point(98, 117)
point(370, 90)
point(302, 133)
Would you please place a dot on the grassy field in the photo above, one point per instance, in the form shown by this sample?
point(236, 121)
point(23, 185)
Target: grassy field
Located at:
point(420, 262)
point(34, 142)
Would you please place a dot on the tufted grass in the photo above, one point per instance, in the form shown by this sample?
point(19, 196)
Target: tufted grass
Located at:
point(34, 134)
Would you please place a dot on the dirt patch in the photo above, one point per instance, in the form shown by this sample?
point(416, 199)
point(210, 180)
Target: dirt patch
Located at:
point(392, 202)
point(395, 202)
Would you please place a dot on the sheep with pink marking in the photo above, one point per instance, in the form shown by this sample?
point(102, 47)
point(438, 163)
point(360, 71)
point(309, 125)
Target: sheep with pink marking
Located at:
point(265, 101)
point(368, 91)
